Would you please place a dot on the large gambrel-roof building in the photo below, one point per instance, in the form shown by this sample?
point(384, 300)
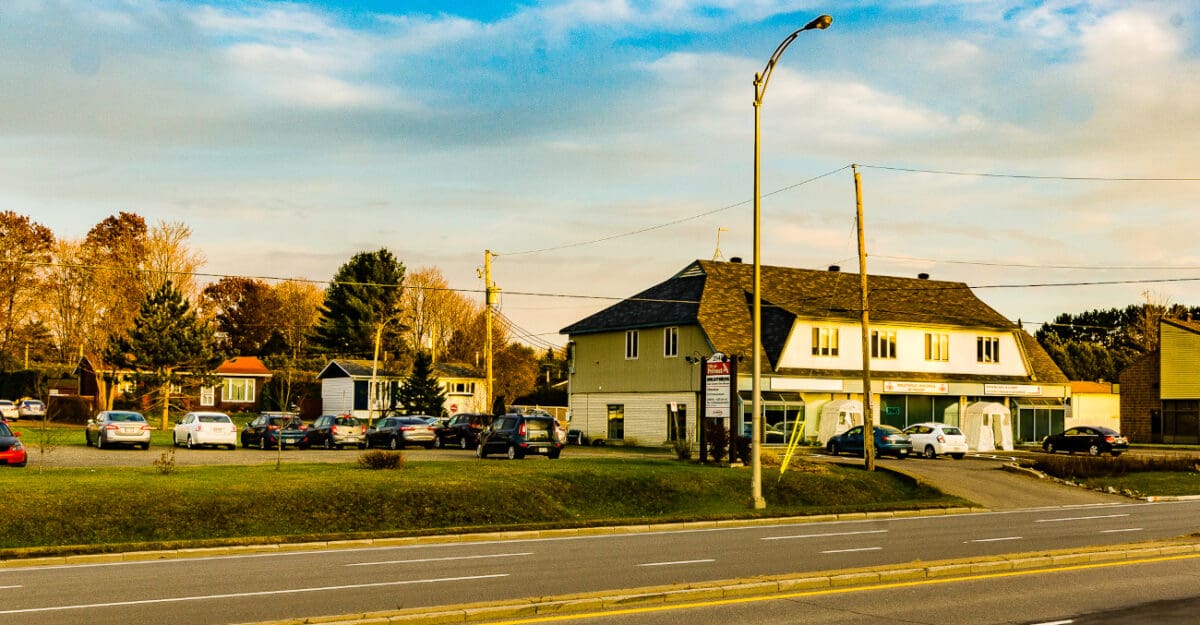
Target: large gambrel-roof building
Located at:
point(936, 349)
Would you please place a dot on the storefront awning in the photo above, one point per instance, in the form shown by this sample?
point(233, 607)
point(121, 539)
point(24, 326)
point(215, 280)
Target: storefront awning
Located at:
point(1038, 402)
point(773, 396)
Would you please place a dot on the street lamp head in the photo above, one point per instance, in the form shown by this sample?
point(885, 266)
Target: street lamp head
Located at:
point(821, 23)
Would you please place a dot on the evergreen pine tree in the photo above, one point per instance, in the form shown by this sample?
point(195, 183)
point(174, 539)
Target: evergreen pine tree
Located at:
point(421, 393)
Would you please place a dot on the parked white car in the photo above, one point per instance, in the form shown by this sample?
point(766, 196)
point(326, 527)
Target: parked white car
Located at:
point(8, 410)
point(31, 409)
point(117, 427)
point(933, 439)
point(205, 428)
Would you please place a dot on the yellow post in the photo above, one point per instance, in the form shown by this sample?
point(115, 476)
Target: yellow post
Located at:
point(489, 301)
point(868, 414)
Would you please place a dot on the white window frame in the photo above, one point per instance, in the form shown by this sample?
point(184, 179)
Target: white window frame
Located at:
point(246, 389)
point(883, 344)
point(987, 349)
point(631, 345)
point(671, 342)
point(208, 396)
point(937, 346)
point(825, 341)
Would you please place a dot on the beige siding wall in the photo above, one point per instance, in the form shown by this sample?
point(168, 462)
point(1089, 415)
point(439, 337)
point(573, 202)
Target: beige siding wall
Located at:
point(600, 363)
point(1180, 368)
point(1095, 409)
point(645, 415)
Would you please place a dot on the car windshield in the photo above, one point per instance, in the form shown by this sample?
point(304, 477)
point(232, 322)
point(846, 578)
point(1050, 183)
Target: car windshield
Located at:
point(125, 416)
point(412, 421)
point(33, 404)
point(4, 431)
point(214, 418)
point(284, 422)
point(345, 421)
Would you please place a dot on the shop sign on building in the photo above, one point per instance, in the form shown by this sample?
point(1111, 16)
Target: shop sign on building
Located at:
point(1012, 389)
point(916, 387)
point(718, 392)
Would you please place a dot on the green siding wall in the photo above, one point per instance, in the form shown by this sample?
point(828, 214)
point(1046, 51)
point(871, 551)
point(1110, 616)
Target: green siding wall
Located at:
point(600, 364)
point(1180, 369)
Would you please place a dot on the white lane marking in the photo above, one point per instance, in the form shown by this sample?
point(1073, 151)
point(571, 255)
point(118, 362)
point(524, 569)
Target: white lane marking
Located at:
point(678, 562)
point(1127, 529)
point(853, 550)
point(446, 559)
point(824, 535)
point(1066, 622)
point(8, 587)
point(239, 595)
point(992, 540)
point(1081, 518)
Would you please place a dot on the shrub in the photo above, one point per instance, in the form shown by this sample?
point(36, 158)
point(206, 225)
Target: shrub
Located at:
point(683, 448)
point(769, 458)
point(165, 464)
point(718, 439)
point(381, 459)
point(741, 447)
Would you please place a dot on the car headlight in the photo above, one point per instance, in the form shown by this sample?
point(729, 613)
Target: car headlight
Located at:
point(18, 446)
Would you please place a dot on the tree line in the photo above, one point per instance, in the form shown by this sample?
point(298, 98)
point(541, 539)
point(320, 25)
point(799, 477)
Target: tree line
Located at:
point(126, 295)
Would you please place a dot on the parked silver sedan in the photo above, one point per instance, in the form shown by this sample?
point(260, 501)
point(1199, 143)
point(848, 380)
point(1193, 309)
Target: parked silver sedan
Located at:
point(118, 427)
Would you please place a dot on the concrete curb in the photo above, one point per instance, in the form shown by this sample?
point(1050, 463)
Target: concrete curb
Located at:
point(727, 589)
point(235, 550)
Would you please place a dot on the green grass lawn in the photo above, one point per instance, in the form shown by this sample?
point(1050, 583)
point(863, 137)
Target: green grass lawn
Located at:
point(1161, 484)
point(133, 507)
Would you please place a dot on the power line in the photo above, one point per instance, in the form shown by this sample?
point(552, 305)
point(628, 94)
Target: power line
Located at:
point(1032, 266)
point(1026, 176)
point(669, 223)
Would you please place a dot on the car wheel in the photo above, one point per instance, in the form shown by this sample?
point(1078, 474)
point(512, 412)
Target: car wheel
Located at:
point(367, 444)
point(87, 438)
point(554, 454)
point(833, 450)
point(930, 452)
point(99, 441)
point(1049, 447)
point(232, 447)
point(174, 439)
point(462, 442)
point(957, 456)
point(1094, 450)
point(437, 442)
point(145, 446)
point(328, 443)
point(479, 452)
point(189, 442)
point(513, 454)
point(395, 443)
point(262, 443)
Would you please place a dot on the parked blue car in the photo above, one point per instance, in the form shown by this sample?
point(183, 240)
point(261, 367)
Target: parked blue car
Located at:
point(889, 441)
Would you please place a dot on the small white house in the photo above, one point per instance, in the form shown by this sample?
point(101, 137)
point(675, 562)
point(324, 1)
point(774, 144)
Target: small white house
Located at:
point(346, 388)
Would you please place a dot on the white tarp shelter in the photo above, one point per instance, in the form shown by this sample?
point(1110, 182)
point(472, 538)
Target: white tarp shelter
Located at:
point(988, 426)
point(837, 416)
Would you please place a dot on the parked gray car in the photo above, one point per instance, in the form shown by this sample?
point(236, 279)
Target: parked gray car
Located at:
point(117, 427)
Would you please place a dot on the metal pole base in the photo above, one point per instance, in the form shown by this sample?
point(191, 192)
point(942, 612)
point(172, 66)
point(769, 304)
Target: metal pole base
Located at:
point(760, 503)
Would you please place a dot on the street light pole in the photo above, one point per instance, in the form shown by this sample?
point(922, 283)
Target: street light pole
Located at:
point(760, 89)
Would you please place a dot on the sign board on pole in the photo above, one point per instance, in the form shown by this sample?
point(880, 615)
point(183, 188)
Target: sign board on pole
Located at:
point(718, 387)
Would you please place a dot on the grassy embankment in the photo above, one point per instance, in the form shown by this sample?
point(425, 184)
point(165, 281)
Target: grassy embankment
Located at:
point(1165, 475)
point(114, 509)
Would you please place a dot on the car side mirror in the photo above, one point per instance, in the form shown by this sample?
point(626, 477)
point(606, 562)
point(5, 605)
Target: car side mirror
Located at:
point(17, 434)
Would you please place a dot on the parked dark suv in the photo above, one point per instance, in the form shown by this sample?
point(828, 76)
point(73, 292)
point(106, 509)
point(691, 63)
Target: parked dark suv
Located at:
point(518, 435)
point(462, 430)
point(273, 429)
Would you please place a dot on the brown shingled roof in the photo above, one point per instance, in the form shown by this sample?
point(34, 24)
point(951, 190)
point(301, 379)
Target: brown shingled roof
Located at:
point(717, 296)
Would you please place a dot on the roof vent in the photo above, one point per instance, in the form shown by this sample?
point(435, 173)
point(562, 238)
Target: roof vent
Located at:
point(922, 276)
point(834, 268)
point(736, 259)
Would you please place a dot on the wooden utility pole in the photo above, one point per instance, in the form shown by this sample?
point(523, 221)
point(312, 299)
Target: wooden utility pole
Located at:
point(868, 413)
point(489, 301)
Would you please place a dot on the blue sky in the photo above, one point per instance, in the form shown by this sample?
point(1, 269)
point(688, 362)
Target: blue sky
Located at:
point(290, 136)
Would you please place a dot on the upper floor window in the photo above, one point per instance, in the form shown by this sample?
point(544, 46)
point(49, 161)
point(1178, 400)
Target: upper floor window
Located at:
point(883, 344)
point(631, 345)
point(825, 341)
point(670, 342)
point(937, 346)
point(987, 349)
point(460, 388)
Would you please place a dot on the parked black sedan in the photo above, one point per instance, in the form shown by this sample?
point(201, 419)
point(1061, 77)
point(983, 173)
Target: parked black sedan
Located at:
point(1093, 439)
point(889, 441)
point(399, 432)
point(462, 430)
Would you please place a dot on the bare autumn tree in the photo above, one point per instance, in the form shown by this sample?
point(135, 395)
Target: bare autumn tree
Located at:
point(169, 257)
point(71, 298)
point(433, 311)
point(27, 249)
point(299, 310)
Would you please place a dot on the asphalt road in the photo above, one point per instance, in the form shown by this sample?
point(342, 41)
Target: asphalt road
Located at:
point(234, 589)
point(1163, 593)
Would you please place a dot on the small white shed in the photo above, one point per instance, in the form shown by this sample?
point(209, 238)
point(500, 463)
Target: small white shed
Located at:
point(837, 416)
point(988, 426)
